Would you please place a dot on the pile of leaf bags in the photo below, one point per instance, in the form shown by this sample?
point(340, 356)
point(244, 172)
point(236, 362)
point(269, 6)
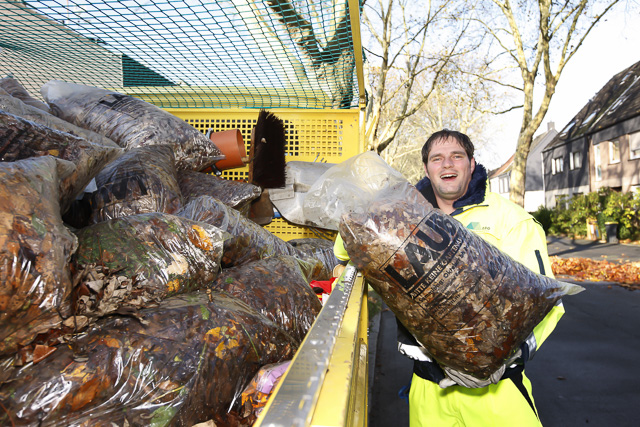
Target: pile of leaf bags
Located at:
point(67, 292)
point(183, 362)
point(130, 122)
point(470, 305)
point(22, 139)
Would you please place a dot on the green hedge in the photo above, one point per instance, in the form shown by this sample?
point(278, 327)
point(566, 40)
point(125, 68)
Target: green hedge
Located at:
point(570, 214)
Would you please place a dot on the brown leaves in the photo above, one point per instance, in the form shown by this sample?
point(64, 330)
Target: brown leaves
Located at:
point(584, 269)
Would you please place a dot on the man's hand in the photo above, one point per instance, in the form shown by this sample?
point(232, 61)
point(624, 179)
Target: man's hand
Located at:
point(454, 377)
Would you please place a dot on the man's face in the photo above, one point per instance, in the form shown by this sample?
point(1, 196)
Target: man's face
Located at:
point(449, 169)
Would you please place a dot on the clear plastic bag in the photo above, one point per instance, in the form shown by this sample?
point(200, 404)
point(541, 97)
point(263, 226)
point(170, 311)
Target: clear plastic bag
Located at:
point(138, 260)
point(278, 288)
point(256, 395)
point(349, 186)
point(142, 180)
point(320, 249)
point(35, 251)
point(235, 194)
point(18, 108)
point(183, 362)
point(15, 89)
point(468, 303)
point(249, 241)
point(23, 139)
point(130, 122)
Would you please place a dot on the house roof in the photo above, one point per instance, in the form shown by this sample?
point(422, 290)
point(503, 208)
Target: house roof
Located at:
point(506, 166)
point(617, 101)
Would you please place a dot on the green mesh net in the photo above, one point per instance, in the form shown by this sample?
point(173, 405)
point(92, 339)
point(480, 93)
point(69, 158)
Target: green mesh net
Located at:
point(190, 53)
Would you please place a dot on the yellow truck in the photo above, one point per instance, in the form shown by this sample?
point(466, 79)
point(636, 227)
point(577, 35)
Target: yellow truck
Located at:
point(215, 65)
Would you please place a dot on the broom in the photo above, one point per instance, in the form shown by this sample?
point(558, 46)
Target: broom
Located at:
point(267, 164)
point(268, 144)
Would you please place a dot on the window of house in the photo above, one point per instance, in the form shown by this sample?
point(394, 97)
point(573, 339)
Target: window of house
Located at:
point(597, 160)
point(575, 160)
point(504, 184)
point(557, 166)
point(614, 151)
point(634, 145)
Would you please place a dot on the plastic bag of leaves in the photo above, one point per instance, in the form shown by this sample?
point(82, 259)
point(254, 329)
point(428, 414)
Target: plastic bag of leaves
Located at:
point(138, 260)
point(35, 251)
point(15, 89)
point(183, 362)
point(130, 122)
point(469, 304)
point(235, 194)
point(256, 395)
point(320, 249)
point(141, 180)
point(22, 139)
point(277, 288)
point(18, 108)
point(249, 241)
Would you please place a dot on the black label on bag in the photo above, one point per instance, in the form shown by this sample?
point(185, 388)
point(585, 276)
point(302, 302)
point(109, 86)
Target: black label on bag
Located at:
point(436, 264)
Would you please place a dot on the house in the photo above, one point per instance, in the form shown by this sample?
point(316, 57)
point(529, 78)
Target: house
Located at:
point(600, 147)
point(534, 184)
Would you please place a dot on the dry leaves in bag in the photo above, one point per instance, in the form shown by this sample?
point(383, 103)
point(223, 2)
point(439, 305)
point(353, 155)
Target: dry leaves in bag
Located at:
point(35, 251)
point(142, 259)
point(320, 249)
point(130, 122)
point(15, 89)
point(235, 194)
point(22, 139)
point(469, 304)
point(184, 362)
point(18, 108)
point(248, 242)
point(142, 180)
point(277, 288)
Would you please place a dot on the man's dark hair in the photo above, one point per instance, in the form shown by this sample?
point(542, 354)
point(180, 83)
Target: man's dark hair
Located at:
point(463, 139)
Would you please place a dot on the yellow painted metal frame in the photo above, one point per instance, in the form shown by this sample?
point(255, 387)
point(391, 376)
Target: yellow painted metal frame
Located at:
point(343, 397)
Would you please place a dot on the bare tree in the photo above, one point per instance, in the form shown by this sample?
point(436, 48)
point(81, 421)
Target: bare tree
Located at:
point(539, 38)
point(402, 52)
point(460, 101)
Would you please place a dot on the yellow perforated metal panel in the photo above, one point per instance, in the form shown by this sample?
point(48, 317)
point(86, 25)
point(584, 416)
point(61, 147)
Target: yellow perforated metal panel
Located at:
point(325, 135)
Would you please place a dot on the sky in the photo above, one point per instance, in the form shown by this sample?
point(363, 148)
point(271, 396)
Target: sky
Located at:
point(611, 47)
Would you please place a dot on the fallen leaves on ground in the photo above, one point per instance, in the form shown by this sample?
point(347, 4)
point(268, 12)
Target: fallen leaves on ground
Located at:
point(584, 269)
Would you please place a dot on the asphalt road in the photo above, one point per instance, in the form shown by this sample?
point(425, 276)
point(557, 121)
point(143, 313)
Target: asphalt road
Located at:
point(586, 373)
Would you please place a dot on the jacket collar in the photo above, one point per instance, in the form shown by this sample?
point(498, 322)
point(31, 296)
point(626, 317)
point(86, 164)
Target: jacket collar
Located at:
point(475, 192)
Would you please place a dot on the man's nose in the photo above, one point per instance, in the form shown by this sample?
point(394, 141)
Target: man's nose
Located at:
point(447, 162)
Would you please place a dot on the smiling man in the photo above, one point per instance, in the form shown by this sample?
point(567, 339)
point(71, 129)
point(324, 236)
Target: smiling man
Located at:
point(457, 185)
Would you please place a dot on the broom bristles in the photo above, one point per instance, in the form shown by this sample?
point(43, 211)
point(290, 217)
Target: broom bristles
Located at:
point(269, 145)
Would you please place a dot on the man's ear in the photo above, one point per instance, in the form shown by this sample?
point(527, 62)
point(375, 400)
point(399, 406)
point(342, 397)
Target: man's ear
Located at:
point(424, 166)
point(473, 164)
